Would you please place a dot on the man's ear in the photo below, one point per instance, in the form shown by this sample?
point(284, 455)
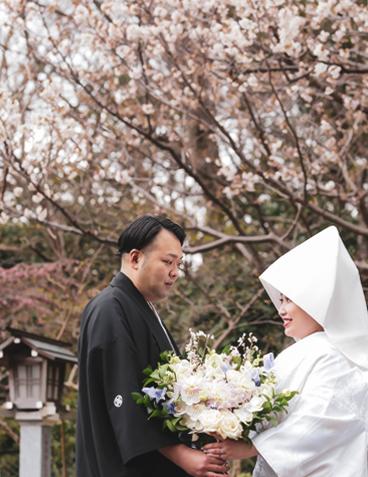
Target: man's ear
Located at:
point(135, 256)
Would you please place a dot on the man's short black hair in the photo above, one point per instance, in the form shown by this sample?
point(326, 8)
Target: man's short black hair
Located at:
point(143, 230)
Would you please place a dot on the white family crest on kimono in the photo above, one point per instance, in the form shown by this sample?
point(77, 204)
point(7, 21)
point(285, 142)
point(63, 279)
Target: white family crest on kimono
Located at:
point(325, 432)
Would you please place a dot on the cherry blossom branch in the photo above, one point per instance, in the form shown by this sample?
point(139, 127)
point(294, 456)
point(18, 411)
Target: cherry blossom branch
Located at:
point(76, 227)
point(295, 136)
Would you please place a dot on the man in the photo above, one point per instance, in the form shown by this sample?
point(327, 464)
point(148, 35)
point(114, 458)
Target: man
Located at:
point(121, 334)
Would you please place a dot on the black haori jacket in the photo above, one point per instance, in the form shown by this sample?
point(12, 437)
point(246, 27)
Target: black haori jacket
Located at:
point(120, 336)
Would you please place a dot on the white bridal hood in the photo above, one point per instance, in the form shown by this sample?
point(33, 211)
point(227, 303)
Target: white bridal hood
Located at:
point(322, 279)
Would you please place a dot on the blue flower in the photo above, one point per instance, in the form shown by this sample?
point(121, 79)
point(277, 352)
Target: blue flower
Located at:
point(255, 376)
point(225, 367)
point(155, 393)
point(169, 406)
point(268, 361)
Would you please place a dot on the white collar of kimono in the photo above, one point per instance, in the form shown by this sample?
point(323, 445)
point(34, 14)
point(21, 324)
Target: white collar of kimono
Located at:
point(322, 279)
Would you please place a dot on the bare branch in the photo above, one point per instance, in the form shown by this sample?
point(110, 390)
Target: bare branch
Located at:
point(233, 323)
point(9, 431)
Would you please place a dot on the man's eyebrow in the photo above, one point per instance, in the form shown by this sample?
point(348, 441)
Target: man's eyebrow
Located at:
point(175, 256)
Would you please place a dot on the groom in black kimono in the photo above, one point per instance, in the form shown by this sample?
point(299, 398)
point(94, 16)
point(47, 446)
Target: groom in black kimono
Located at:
point(121, 334)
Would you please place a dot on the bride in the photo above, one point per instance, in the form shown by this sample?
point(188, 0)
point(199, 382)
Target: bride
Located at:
point(317, 291)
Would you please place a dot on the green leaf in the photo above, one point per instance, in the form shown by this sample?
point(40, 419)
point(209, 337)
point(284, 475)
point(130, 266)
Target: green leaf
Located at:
point(170, 426)
point(165, 356)
point(147, 371)
point(147, 400)
point(226, 349)
point(137, 397)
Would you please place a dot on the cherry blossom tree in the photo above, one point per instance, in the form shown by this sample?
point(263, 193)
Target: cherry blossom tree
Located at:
point(244, 121)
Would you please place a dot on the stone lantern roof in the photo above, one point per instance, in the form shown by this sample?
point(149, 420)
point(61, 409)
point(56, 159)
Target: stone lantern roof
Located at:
point(36, 367)
point(45, 347)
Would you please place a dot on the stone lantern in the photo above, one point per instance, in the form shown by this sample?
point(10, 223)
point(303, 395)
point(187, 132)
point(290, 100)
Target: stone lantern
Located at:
point(36, 368)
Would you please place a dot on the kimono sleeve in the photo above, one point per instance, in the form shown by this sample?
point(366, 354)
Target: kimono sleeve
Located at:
point(323, 434)
point(134, 433)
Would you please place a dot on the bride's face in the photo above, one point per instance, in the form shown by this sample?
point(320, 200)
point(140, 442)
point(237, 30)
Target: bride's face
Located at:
point(297, 322)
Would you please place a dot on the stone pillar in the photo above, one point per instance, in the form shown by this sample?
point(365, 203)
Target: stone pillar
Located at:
point(35, 449)
point(35, 442)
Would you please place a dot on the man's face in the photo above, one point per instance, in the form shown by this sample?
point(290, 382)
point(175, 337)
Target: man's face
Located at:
point(158, 266)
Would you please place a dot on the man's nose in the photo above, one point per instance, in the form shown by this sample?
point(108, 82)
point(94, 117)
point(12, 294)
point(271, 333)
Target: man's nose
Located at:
point(174, 272)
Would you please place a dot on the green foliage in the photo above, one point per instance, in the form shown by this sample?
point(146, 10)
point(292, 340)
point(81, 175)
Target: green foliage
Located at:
point(9, 449)
point(63, 448)
point(274, 406)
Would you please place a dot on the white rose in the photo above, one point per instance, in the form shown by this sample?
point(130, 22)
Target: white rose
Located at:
point(229, 426)
point(209, 419)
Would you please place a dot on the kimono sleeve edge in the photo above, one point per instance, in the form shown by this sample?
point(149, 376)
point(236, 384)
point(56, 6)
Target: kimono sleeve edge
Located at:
point(258, 441)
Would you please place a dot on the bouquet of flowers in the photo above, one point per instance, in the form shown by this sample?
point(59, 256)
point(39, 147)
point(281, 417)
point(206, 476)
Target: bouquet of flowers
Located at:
point(225, 394)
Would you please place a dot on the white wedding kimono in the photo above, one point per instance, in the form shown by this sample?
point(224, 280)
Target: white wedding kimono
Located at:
point(324, 433)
